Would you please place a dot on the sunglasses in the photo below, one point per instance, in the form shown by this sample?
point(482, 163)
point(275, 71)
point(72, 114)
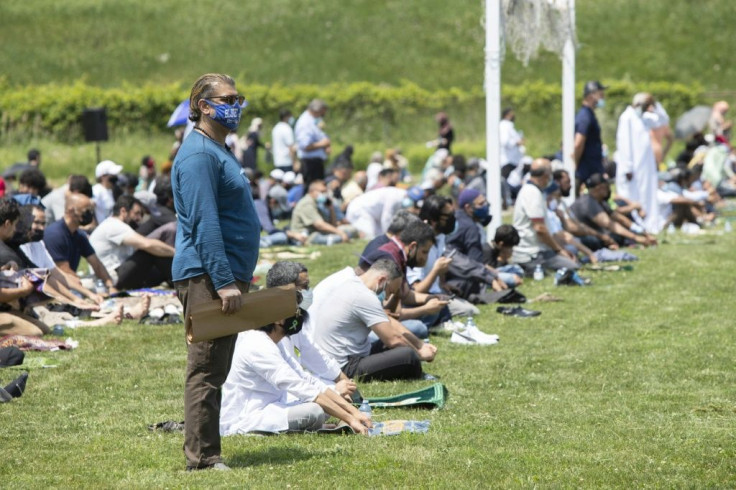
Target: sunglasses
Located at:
point(231, 99)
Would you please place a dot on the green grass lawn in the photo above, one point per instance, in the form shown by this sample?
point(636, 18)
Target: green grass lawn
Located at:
point(626, 384)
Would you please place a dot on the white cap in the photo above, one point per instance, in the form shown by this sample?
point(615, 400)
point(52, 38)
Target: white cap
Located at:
point(148, 199)
point(277, 174)
point(289, 177)
point(107, 167)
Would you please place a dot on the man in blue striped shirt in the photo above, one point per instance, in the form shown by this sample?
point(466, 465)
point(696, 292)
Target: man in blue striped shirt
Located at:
point(312, 143)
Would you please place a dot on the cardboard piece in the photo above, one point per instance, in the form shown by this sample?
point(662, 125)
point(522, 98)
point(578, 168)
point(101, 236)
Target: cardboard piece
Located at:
point(206, 320)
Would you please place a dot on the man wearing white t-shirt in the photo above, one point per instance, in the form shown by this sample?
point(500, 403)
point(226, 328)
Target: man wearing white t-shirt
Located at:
point(282, 142)
point(347, 307)
point(132, 260)
point(537, 245)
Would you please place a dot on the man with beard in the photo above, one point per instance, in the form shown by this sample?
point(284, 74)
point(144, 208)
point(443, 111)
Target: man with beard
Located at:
point(590, 237)
point(408, 248)
point(593, 210)
point(438, 212)
point(133, 261)
point(537, 246)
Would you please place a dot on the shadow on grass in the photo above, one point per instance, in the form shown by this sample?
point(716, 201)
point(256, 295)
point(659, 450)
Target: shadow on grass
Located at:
point(272, 456)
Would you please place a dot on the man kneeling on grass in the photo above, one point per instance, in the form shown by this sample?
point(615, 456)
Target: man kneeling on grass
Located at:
point(268, 391)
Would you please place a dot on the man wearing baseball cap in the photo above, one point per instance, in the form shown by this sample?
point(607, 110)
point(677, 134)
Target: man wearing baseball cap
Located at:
point(106, 174)
point(588, 148)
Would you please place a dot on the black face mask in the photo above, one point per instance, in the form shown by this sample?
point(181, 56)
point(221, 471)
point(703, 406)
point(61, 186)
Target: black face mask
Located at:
point(133, 224)
point(86, 217)
point(411, 260)
point(449, 225)
point(35, 236)
point(485, 220)
point(293, 325)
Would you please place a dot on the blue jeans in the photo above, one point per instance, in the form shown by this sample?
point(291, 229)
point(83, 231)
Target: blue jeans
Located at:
point(507, 272)
point(278, 238)
point(323, 239)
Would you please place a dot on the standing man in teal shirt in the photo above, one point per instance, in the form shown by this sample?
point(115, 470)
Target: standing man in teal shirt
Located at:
point(217, 242)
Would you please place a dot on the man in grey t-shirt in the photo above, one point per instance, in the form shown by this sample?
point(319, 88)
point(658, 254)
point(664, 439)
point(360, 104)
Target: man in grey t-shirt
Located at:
point(537, 246)
point(347, 308)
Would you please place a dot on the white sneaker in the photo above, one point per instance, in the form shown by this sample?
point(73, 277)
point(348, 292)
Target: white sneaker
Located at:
point(481, 337)
point(462, 338)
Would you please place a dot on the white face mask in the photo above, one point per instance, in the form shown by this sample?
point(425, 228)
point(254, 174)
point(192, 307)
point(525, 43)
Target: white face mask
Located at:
point(307, 298)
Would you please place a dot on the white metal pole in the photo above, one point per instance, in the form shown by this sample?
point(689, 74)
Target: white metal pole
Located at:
point(568, 102)
point(493, 111)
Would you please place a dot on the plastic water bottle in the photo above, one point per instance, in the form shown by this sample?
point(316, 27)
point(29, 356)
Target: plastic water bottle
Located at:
point(58, 330)
point(470, 324)
point(366, 408)
point(671, 229)
point(538, 273)
point(559, 275)
point(727, 227)
point(100, 287)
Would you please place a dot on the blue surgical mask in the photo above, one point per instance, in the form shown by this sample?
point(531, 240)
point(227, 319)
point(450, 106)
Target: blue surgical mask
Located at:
point(317, 120)
point(321, 199)
point(601, 103)
point(291, 121)
point(226, 115)
point(382, 295)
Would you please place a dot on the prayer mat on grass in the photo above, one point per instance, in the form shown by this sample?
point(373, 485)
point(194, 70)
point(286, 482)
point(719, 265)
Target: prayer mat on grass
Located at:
point(387, 428)
point(433, 396)
point(609, 268)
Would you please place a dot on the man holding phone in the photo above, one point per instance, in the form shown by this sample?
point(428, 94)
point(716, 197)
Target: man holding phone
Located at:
point(438, 212)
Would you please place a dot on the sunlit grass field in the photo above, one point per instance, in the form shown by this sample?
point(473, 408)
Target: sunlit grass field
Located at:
point(626, 384)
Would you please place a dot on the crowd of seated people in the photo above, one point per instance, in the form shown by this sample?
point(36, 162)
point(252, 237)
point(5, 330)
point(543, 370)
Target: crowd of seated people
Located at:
point(425, 260)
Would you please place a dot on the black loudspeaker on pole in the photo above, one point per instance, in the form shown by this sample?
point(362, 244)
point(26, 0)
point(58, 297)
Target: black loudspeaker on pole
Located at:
point(94, 123)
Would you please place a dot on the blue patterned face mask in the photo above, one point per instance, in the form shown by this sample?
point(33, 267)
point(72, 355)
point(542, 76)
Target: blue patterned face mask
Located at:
point(227, 115)
point(382, 294)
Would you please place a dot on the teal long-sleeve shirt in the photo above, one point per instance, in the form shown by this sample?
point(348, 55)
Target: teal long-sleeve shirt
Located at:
point(218, 229)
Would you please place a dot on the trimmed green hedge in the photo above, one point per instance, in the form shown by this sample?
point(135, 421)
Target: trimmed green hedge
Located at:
point(365, 109)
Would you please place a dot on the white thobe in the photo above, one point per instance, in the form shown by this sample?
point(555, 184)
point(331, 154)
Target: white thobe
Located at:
point(302, 350)
point(261, 385)
point(634, 155)
point(372, 212)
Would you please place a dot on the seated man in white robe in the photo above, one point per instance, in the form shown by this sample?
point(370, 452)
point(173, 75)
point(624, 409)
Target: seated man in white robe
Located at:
point(299, 346)
point(267, 391)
